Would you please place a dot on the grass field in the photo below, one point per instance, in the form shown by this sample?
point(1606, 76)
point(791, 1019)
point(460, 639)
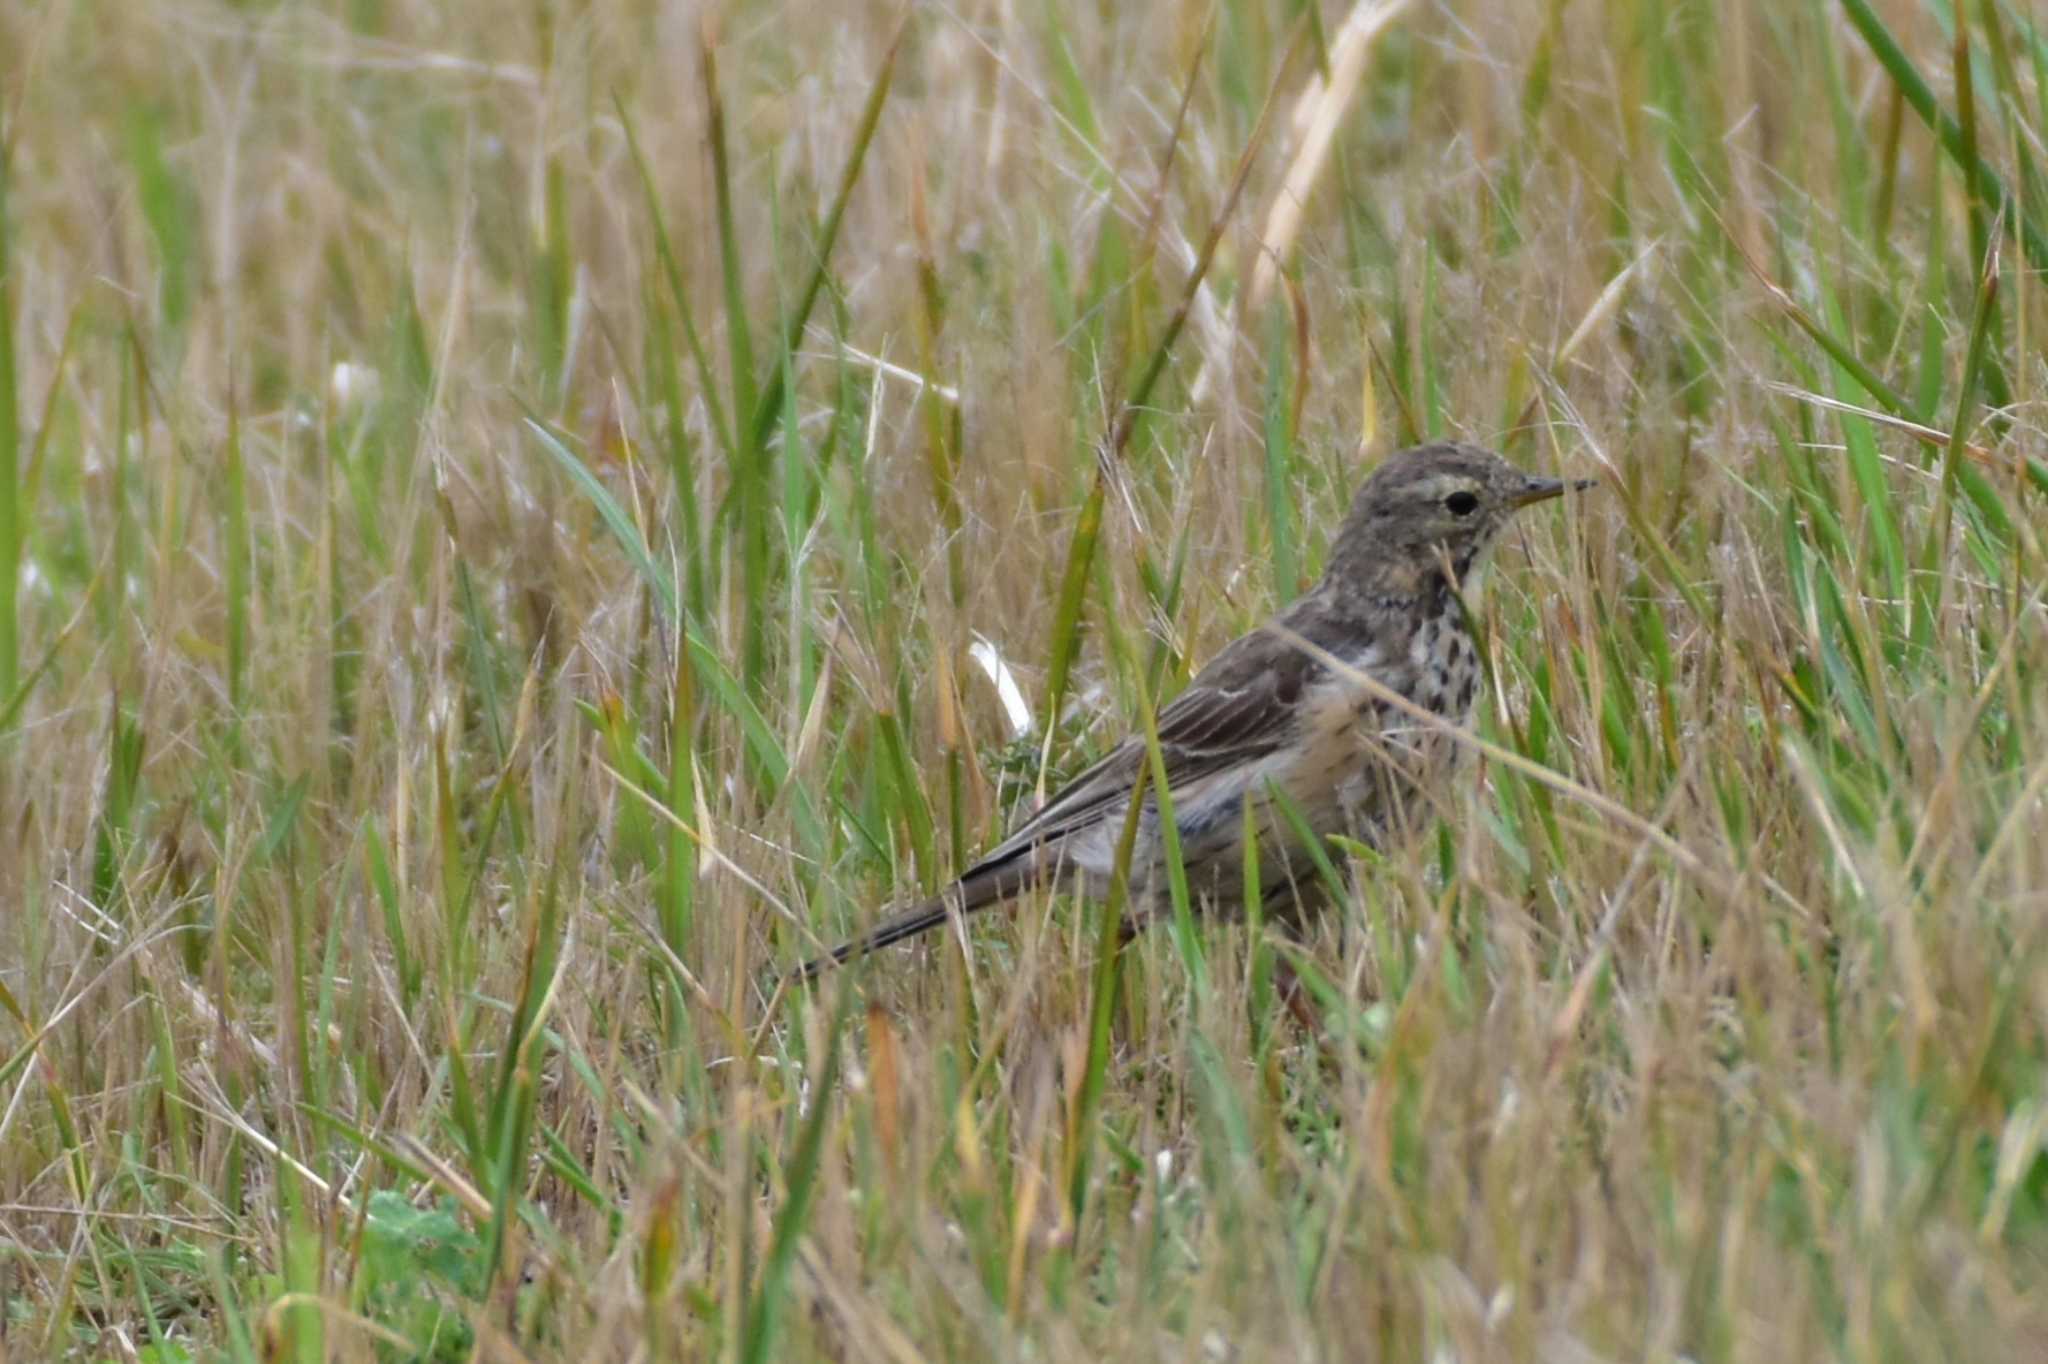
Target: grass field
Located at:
point(512, 518)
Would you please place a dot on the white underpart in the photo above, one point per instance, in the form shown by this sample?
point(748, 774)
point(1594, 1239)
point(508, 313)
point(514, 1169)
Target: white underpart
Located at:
point(1473, 588)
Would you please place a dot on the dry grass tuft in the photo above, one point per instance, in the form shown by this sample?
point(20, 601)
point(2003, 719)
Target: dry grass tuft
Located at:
point(496, 524)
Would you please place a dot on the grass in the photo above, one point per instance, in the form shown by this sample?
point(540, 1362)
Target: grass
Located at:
point(493, 522)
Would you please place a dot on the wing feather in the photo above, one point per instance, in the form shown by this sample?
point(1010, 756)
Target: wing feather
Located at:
point(1238, 709)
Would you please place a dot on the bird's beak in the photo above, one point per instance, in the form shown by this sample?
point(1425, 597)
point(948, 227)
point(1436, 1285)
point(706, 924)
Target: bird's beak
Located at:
point(1543, 489)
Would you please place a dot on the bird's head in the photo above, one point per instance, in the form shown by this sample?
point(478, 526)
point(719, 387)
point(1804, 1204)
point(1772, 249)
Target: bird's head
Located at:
point(1429, 507)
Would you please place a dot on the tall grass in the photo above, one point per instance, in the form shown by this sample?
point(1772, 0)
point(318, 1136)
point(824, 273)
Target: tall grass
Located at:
point(495, 508)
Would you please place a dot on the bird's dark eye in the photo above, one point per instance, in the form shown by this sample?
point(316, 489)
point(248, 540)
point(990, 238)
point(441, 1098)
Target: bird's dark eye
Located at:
point(1461, 503)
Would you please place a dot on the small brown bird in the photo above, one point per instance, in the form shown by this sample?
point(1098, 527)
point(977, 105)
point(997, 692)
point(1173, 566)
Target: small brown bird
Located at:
point(1283, 709)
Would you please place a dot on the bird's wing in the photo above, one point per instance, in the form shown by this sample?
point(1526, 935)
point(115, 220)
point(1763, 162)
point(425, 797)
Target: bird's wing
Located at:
point(1238, 709)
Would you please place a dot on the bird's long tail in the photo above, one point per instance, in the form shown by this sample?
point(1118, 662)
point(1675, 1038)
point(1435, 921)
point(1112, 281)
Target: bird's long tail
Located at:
point(981, 887)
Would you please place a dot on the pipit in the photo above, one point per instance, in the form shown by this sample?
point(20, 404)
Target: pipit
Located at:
point(1294, 718)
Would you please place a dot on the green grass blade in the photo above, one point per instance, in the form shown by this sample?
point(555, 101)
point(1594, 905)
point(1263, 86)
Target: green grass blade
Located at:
point(1866, 466)
point(1081, 550)
point(679, 297)
point(764, 1316)
point(1185, 935)
point(1073, 596)
point(739, 341)
point(13, 511)
point(768, 408)
point(235, 544)
point(613, 515)
point(762, 741)
point(1102, 991)
point(516, 1092)
point(1989, 188)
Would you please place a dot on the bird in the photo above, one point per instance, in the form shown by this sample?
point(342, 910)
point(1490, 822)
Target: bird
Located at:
point(1294, 713)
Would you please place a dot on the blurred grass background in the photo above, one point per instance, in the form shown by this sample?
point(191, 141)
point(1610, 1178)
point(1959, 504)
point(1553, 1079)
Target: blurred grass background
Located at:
point(512, 518)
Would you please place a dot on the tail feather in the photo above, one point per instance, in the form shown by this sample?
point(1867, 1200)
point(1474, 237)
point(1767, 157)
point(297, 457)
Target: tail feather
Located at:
point(980, 888)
